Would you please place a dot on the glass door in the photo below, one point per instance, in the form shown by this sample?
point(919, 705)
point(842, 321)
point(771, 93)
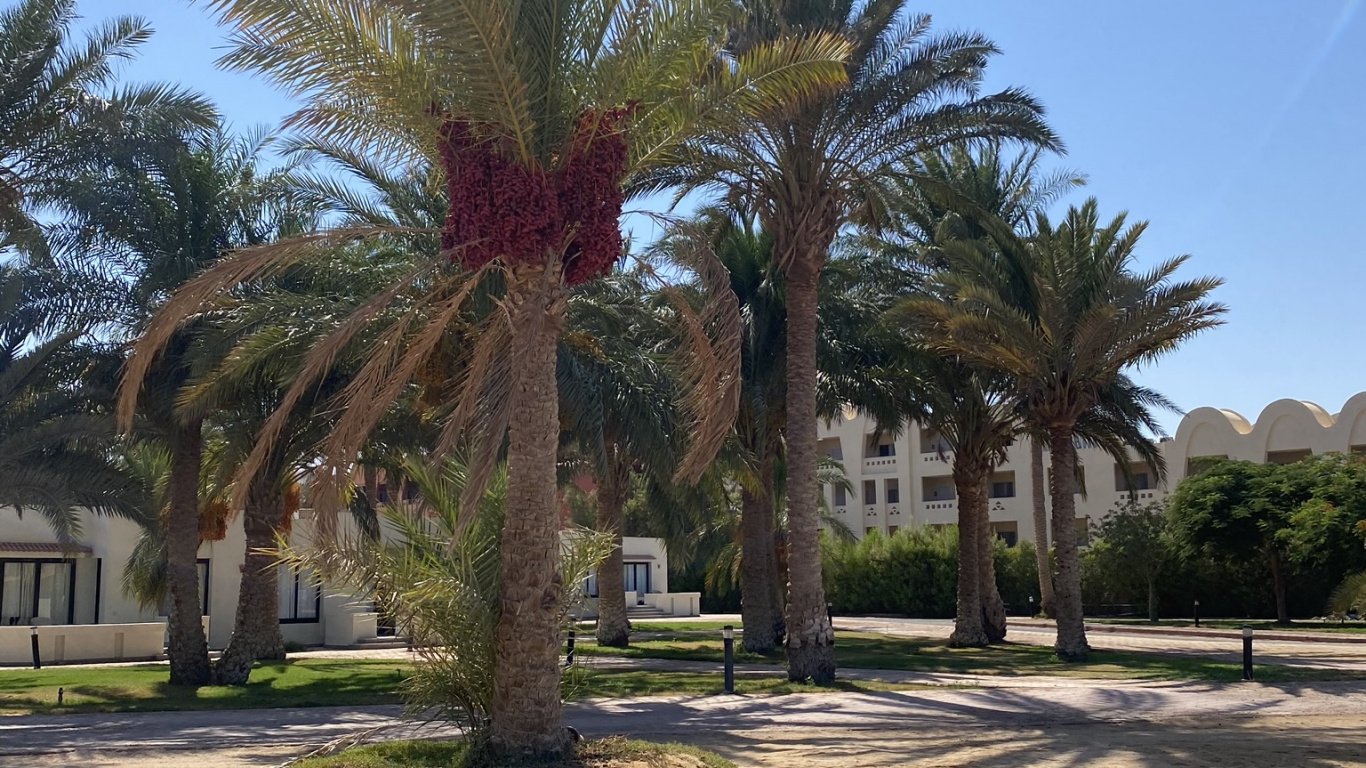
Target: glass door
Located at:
point(637, 578)
point(16, 593)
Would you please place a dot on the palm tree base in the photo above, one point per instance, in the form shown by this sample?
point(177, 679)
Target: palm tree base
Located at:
point(813, 660)
point(1074, 656)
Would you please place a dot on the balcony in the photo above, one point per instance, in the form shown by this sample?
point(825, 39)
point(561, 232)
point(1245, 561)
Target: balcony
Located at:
point(879, 465)
point(1139, 496)
point(945, 458)
point(940, 504)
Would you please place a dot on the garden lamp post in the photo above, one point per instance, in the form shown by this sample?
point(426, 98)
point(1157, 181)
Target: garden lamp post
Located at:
point(728, 640)
point(1197, 613)
point(37, 662)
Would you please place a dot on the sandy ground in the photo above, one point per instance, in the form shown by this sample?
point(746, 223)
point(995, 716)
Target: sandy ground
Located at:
point(1240, 742)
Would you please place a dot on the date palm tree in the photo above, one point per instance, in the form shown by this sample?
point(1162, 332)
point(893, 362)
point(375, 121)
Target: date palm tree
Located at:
point(57, 110)
point(547, 109)
point(811, 167)
point(1064, 318)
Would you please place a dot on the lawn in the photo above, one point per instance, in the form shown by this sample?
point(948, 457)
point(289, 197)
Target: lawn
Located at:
point(329, 682)
point(605, 753)
point(860, 650)
point(143, 688)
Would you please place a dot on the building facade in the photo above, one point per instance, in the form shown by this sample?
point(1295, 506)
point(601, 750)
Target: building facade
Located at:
point(904, 480)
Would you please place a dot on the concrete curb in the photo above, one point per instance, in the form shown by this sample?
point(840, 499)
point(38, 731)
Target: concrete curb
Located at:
point(1223, 634)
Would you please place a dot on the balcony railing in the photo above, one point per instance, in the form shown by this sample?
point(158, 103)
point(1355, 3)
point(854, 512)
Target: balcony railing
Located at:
point(1144, 495)
point(879, 465)
point(941, 504)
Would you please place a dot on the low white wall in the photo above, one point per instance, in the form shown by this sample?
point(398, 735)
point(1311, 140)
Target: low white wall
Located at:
point(675, 603)
point(83, 642)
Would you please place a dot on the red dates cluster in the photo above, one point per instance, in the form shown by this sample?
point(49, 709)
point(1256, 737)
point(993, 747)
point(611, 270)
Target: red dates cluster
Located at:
point(500, 208)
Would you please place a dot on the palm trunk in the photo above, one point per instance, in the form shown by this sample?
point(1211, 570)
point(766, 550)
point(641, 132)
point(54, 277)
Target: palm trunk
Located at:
point(1278, 586)
point(760, 615)
point(526, 712)
point(614, 629)
point(1152, 598)
point(256, 633)
point(1071, 643)
point(187, 649)
point(968, 631)
point(1036, 476)
point(810, 638)
point(993, 607)
point(370, 476)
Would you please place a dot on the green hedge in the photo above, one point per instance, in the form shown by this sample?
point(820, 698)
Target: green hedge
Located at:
point(914, 572)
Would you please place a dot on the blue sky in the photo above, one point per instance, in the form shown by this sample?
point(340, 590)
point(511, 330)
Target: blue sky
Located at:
point(1233, 127)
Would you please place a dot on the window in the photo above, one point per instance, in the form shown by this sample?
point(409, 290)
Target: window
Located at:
point(590, 585)
point(383, 493)
point(869, 531)
point(1083, 531)
point(1003, 489)
point(869, 491)
point(893, 492)
point(1007, 531)
point(841, 498)
point(202, 574)
point(299, 596)
point(409, 491)
point(36, 592)
point(886, 449)
point(891, 529)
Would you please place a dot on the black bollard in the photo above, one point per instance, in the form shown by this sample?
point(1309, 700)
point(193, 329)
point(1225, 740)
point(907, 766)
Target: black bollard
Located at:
point(61, 694)
point(1197, 613)
point(37, 661)
point(1247, 653)
point(728, 640)
point(569, 649)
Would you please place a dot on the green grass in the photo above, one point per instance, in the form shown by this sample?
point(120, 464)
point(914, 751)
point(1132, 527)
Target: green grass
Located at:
point(143, 688)
point(604, 753)
point(859, 650)
point(1347, 627)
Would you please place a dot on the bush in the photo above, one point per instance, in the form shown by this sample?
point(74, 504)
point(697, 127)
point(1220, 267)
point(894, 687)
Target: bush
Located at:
point(438, 575)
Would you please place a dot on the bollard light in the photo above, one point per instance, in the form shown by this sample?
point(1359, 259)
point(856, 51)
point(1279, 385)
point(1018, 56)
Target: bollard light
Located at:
point(1197, 613)
point(37, 660)
point(569, 650)
point(1247, 652)
point(728, 642)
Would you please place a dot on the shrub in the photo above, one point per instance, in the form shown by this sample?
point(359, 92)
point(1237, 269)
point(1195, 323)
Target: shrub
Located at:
point(437, 573)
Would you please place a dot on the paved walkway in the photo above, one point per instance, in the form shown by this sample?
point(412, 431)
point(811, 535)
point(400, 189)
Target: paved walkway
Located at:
point(753, 730)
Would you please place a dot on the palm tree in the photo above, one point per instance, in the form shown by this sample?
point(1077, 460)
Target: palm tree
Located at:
point(617, 406)
point(58, 116)
point(812, 166)
point(155, 216)
point(56, 435)
point(1064, 318)
point(546, 109)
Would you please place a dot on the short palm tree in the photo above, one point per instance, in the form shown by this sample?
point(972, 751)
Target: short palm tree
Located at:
point(617, 406)
point(56, 113)
point(544, 109)
point(811, 167)
point(1063, 319)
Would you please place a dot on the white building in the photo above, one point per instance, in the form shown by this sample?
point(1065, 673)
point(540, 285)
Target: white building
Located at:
point(906, 480)
point(74, 596)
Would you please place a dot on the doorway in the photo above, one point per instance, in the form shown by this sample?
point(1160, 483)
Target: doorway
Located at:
point(637, 578)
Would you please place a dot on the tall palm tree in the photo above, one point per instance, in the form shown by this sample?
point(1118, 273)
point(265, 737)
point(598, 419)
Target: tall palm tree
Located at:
point(153, 217)
point(546, 109)
point(617, 400)
point(1064, 318)
point(814, 165)
point(57, 111)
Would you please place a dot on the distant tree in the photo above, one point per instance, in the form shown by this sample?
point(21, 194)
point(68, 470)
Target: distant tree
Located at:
point(1303, 514)
point(1133, 539)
